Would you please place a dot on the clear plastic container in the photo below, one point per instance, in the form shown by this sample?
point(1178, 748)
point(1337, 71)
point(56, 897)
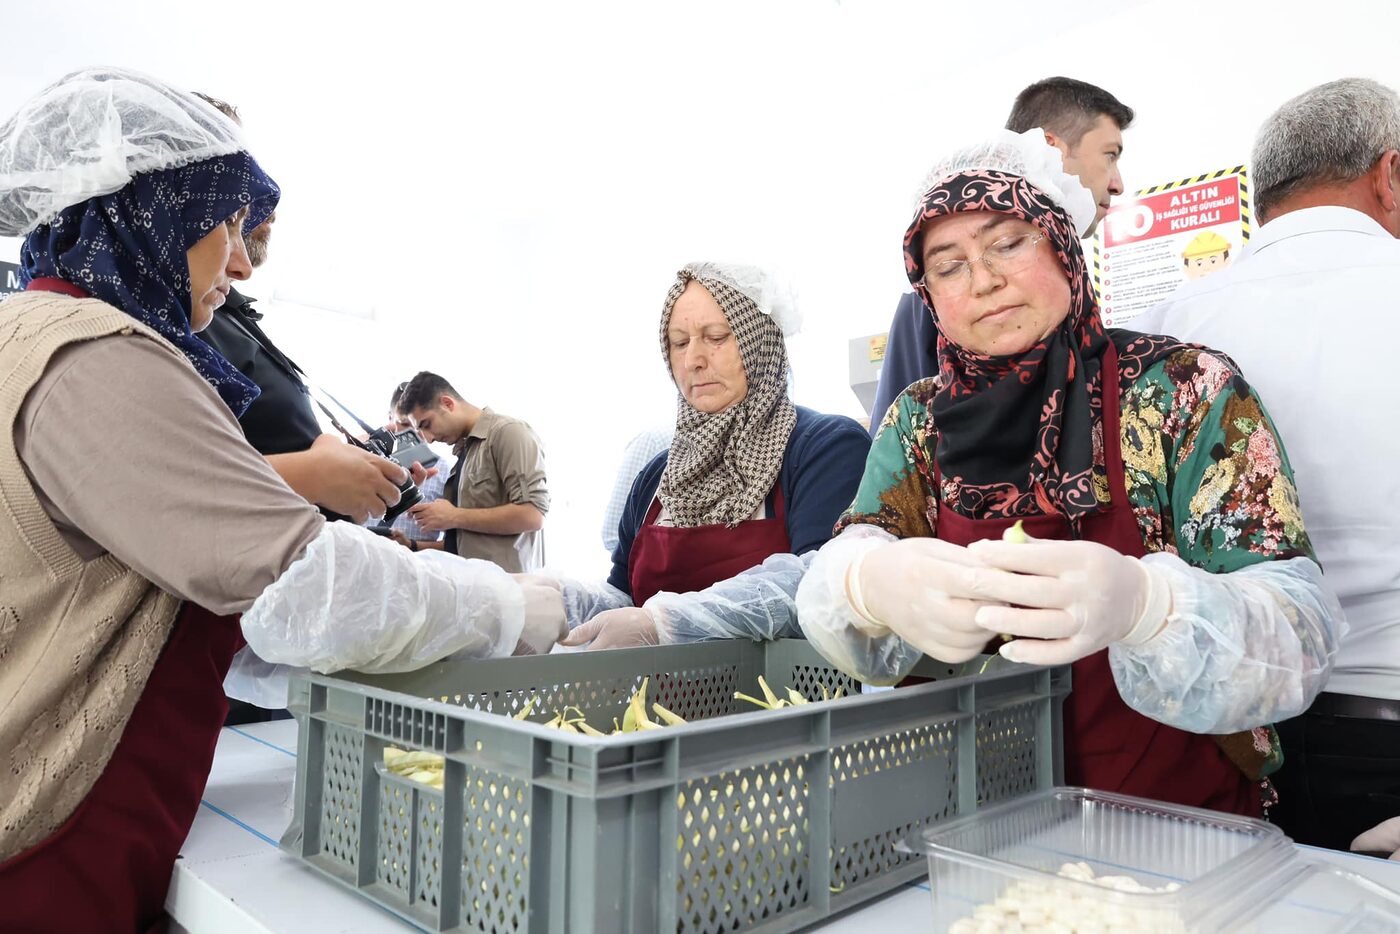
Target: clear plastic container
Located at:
point(1318, 897)
point(1016, 864)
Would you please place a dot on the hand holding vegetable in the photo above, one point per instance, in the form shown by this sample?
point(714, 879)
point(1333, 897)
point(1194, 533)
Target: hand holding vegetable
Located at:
point(1069, 599)
point(924, 590)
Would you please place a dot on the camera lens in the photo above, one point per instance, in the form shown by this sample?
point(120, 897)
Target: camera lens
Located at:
point(408, 498)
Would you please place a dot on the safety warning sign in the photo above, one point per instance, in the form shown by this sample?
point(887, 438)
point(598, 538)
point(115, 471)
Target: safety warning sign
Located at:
point(1165, 236)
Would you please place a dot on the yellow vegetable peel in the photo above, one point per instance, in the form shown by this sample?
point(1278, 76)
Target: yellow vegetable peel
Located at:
point(667, 716)
point(768, 692)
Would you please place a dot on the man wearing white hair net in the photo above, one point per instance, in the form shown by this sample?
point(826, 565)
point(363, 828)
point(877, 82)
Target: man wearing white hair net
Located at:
point(1085, 123)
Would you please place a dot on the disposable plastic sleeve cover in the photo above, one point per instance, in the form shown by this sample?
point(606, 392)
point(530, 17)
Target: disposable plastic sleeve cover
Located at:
point(357, 600)
point(584, 600)
point(1241, 649)
point(827, 620)
point(756, 604)
point(260, 683)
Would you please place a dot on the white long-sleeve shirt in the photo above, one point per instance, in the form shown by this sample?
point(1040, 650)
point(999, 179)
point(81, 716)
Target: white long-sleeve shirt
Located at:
point(1310, 312)
point(640, 451)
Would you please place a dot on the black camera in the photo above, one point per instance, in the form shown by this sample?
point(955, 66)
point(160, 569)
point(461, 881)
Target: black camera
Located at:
point(403, 448)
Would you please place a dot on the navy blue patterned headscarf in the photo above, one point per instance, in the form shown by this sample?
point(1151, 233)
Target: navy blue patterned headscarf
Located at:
point(128, 249)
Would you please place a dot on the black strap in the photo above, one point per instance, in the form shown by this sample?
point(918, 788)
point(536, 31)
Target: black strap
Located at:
point(451, 492)
point(343, 407)
point(240, 318)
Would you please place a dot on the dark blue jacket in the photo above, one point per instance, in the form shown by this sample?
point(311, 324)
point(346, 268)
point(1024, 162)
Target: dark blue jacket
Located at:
point(280, 420)
point(821, 469)
point(911, 354)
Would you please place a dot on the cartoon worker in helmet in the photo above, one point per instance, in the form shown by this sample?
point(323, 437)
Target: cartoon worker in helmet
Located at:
point(1207, 252)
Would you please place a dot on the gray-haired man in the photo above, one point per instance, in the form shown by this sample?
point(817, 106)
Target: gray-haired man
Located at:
point(1309, 311)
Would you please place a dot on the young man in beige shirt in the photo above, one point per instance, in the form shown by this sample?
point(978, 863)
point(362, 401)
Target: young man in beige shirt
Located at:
point(495, 500)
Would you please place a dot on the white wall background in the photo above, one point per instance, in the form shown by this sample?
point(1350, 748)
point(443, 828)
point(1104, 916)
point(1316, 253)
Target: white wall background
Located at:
point(502, 192)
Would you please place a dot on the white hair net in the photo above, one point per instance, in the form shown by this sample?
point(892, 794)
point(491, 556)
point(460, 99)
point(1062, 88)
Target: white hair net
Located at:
point(773, 295)
point(90, 133)
point(1029, 156)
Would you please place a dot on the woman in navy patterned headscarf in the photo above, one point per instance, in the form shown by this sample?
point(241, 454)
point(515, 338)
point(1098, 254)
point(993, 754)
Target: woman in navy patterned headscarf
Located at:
point(128, 192)
point(141, 538)
point(129, 247)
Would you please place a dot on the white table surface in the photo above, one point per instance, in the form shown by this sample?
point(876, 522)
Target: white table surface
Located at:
point(231, 877)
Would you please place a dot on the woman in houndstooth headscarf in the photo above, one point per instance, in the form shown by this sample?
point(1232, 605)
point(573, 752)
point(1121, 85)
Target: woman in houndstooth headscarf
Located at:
point(711, 538)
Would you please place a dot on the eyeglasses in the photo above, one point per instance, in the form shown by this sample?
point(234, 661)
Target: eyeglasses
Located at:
point(1007, 255)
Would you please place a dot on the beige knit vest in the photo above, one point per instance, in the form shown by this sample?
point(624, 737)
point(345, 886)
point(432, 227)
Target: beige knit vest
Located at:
point(77, 639)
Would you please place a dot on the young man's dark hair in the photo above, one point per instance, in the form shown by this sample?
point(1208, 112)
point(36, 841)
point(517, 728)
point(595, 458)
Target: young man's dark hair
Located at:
point(423, 392)
point(1066, 107)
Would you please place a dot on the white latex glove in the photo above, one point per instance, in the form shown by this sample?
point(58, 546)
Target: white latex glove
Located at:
point(583, 600)
point(1382, 838)
point(624, 628)
point(924, 591)
point(1069, 599)
point(545, 623)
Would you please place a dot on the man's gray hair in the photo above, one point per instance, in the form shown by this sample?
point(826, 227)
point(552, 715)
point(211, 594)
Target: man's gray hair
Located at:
point(1330, 134)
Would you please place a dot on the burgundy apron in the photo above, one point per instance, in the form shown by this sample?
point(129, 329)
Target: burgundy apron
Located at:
point(1108, 745)
point(107, 868)
point(684, 560)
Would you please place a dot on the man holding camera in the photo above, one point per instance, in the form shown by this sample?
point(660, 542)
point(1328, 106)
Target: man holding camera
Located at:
point(495, 499)
point(280, 425)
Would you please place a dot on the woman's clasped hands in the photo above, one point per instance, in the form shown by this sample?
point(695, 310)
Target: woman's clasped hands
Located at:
point(1059, 601)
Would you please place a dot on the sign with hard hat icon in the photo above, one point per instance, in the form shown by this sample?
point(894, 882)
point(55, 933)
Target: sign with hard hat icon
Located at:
point(1147, 247)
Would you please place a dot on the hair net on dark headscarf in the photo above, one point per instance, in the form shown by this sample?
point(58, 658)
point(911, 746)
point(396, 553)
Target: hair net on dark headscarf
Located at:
point(111, 176)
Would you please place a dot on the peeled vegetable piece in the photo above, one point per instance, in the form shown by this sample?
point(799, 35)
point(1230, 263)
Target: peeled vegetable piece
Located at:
point(1052, 907)
point(635, 718)
point(423, 767)
point(794, 698)
point(572, 720)
point(1016, 535)
point(668, 718)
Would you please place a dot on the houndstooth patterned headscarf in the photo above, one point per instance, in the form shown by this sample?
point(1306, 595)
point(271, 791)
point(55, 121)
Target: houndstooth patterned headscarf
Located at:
point(723, 465)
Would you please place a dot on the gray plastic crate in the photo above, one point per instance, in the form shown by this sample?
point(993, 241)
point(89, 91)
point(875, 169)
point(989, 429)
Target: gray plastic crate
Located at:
point(766, 821)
